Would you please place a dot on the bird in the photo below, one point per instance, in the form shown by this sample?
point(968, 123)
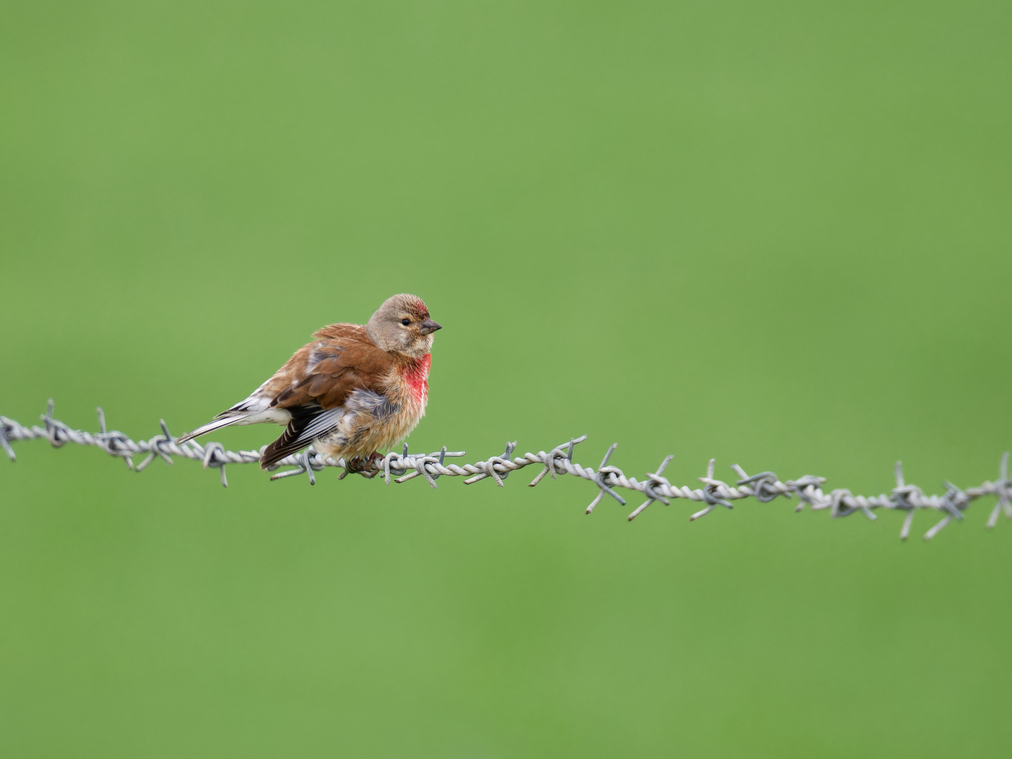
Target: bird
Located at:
point(355, 390)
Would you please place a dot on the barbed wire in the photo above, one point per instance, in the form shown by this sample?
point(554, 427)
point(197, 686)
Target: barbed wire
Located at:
point(404, 466)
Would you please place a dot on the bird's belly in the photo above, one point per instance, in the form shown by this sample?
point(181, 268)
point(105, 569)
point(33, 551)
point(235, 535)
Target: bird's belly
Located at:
point(371, 422)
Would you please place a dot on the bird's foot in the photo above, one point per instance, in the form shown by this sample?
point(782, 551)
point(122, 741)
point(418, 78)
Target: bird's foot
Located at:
point(365, 465)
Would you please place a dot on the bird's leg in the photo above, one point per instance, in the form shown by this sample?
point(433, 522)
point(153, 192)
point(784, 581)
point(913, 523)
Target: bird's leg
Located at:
point(365, 466)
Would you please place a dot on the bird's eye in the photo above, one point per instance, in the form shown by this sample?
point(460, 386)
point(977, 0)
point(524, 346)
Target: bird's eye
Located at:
point(405, 322)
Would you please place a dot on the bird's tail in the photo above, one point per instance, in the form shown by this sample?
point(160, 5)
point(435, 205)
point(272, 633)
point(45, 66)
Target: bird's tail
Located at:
point(217, 424)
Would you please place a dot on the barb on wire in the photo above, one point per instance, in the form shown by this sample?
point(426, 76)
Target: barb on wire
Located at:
point(402, 467)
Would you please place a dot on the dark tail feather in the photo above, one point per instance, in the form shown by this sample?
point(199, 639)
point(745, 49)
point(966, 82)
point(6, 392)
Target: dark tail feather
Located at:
point(308, 423)
point(280, 448)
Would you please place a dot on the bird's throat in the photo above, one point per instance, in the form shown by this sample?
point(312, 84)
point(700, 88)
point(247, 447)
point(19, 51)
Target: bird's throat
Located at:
point(416, 375)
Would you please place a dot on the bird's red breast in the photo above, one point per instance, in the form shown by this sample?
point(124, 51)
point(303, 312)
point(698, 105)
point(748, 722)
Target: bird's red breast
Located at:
point(416, 375)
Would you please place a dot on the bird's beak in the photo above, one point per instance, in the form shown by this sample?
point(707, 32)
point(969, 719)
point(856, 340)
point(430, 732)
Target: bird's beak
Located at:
point(429, 326)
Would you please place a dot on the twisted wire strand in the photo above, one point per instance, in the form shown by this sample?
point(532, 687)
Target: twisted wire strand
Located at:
point(404, 466)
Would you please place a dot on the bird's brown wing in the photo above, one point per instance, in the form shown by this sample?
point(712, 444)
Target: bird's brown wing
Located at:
point(332, 371)
point(316, 382)
point(344, 333)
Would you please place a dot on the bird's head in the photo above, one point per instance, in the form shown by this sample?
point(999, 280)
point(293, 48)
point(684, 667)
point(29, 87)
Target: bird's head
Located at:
point(402, 325)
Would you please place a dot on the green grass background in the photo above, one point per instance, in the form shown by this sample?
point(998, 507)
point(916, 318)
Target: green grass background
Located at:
point(776, 233)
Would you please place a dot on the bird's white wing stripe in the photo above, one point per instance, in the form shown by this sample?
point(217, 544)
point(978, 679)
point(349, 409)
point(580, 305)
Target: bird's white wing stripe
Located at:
point(321, 424)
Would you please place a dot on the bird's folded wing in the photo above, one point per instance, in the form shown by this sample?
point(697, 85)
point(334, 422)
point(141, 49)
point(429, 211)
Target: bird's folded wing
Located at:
point(332, 371)
point(308, 423)
point(344, 333)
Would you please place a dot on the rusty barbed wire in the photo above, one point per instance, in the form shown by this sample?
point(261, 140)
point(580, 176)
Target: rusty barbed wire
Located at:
point(404, 466)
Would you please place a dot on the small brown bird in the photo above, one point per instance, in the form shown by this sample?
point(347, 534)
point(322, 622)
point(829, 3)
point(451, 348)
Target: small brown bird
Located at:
point(358, 389)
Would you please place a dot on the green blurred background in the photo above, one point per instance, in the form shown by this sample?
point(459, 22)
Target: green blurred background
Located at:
point(773, 233)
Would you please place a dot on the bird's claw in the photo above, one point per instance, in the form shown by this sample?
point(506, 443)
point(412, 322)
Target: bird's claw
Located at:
point(365, 466)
